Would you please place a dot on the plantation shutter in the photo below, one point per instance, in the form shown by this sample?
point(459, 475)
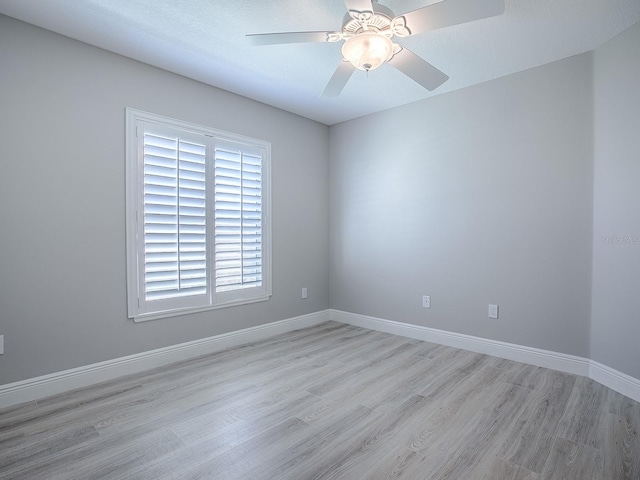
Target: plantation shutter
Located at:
point(175, 236)
point(198, 231)
point(238, 217)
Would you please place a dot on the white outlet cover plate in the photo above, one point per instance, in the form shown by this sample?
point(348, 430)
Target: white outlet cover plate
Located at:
point(426, 301)
point(493, 311)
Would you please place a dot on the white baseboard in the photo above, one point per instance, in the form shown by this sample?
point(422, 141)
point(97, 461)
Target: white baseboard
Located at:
point(607, 376)
point(59, 382)
point(615, 380)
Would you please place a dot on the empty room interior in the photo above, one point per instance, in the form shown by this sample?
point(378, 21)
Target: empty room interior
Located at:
point(318, 240)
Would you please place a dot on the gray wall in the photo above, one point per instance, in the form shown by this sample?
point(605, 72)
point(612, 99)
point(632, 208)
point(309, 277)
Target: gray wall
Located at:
point(62, 192)
point(478, 196)
point(615, 326)
point(500, 193)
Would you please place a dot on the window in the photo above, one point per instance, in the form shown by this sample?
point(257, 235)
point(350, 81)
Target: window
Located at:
point(198, 230)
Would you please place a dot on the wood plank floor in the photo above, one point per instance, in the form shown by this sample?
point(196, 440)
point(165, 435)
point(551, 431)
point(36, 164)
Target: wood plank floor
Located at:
point(329, 402)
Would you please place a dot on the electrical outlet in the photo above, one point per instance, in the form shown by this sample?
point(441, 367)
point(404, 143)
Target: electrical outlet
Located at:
point(426, 301)
point(304, 292)
point(493, 311)
point(1, 344)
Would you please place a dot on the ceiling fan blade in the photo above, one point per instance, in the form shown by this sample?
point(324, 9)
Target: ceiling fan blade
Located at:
point(447, 13)
point(338, 80)
point(418, 69)
point(358, 5)
point(287, 37)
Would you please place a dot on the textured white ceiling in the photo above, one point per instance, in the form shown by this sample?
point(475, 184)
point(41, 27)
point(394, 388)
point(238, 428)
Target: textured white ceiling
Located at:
point(205, 40)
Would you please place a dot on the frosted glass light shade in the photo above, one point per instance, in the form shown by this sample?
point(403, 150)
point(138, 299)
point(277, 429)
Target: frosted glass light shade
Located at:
point(367, 50)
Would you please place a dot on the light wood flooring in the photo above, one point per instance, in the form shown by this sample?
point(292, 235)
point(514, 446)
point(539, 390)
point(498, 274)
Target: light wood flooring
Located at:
point(329, 402)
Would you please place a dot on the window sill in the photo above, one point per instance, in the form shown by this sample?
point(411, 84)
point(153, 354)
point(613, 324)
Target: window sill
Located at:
point(145, 317)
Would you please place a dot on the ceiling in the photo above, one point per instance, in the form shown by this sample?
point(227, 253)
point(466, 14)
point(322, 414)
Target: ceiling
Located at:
point(205, 40)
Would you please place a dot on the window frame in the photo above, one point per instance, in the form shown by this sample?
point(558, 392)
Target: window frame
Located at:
point(140, 309)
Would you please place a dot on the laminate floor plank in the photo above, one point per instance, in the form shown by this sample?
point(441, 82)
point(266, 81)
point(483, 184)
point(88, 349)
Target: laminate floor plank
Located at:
point(445, 432)
point(411, 380)
point(529, 445)
point(528, 376)
point(115, 458)
point(247, 428)
point(483, 432)
point(362, 388)
point(331, 401)
point(441, 430)
point(583, 420)
point(301, 342)
point(362, 450)
point(371, 349)
point(355, 373)
point(333, 346)
point(622, 441)
point(572, 460)
point(417, 378)
point(332, 439)
point(504, 364)
point(431, 350)
point(442, 367)
point(457, 380)
point(209, 441)
point(11, 416)
point(259, 450)
point(136, 401)
point(498, 468)
point(60, 413)
point(30, 456)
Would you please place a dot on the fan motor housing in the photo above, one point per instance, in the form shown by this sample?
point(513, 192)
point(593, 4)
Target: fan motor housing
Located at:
point(381, 20)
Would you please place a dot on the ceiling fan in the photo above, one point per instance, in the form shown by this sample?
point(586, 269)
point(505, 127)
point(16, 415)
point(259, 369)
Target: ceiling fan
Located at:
point(368, 29)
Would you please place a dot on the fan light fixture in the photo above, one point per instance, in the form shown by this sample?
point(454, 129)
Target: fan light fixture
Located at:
point(368, 29)
point(367, 50)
